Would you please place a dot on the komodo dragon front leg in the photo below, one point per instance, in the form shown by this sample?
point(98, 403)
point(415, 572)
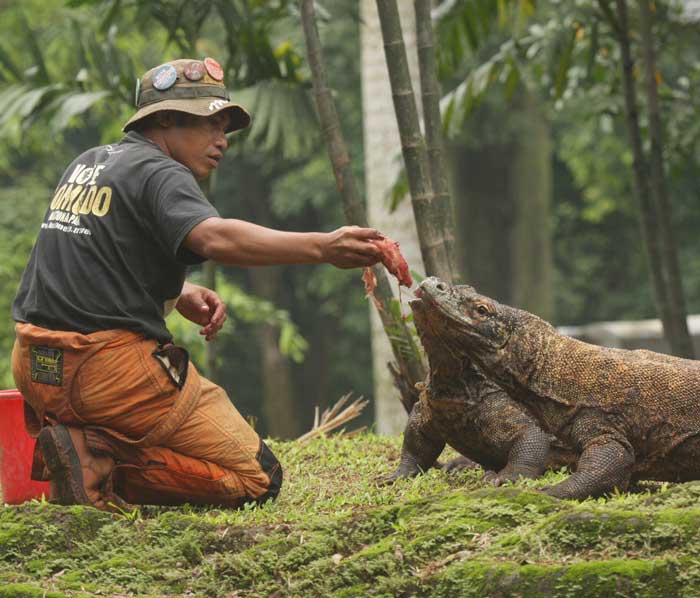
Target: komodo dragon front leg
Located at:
point(605, 463)
point(516, 436)
point(422, 445)
point(527, 457)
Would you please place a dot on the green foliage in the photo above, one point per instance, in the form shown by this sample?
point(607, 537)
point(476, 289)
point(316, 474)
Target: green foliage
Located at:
point(287, 122)
point(568, 54)
point(21, 211)
point(97, 71)
point(334, 532)
point(242, 308)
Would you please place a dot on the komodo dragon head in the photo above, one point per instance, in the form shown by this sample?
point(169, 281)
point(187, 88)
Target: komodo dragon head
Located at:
point(464, 318)
point(504, 341)
point(451, 373)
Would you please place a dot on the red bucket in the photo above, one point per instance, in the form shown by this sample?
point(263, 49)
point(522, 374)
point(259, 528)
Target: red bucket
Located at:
point(16, 451)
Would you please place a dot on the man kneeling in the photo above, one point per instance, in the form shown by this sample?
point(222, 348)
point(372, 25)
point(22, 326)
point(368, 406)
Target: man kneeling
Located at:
point(120, 412)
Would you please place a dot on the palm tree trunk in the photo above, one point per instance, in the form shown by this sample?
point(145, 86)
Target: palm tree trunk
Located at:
point(642, 185)
point(681, 343)
point(382, 164)
point(404, 348)
point(429, 225)
point(430, 94)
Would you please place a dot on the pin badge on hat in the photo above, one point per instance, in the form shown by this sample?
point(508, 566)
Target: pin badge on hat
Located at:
point(165, 77)
point(194, 70)
point(214, 69)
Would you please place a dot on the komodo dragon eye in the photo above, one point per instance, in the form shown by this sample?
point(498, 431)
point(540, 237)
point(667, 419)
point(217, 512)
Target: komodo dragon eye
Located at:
point(483, 310)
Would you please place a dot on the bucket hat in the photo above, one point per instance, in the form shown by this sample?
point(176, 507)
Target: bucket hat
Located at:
point(187, 85)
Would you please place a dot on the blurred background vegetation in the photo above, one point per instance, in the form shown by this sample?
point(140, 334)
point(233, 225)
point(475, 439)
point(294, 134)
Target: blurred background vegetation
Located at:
point(542, 178)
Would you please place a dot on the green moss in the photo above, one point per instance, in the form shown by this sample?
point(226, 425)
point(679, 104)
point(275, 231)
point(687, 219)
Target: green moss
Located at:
point(20, 590)
point(676, 495)
point(639, 578)
point(113, 563)
point(586, 580)
point(596, 530)
point(57, 529)
point(334, 532)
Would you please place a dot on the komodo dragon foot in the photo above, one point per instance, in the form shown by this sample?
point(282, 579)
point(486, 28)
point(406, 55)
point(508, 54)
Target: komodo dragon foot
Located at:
point(461, 463)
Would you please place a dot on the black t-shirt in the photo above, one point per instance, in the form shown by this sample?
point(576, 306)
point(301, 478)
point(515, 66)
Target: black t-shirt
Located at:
point(109, 253)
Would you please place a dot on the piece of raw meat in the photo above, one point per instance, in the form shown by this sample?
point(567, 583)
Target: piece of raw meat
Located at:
point(394, 262)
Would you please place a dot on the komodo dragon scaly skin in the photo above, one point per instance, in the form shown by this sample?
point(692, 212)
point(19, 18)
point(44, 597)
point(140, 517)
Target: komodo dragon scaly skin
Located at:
point(459, 406)
point(630, 414)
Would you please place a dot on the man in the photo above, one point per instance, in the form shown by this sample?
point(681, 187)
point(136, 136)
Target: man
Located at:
point(119, 411)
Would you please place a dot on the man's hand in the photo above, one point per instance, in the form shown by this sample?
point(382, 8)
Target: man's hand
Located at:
point(202, 306)
point(351, 247)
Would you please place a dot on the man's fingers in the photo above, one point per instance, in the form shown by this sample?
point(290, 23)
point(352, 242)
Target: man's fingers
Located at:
point(219, 315)
point(364, 233)
point(373, 250)
point(209, 331)
point(216, 320)
point(363, 247)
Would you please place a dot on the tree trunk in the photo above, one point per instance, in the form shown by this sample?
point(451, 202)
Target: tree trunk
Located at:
point(210, 347)
point(382, 164)
point(279, 406)
point(278, 400)
point(485, 216)
point(404, 348)
point(430, 94)
point(503, 194)
point(679, 337)
point(429, 225)
point(642, 185)
point(209, 270)
point(531, 189)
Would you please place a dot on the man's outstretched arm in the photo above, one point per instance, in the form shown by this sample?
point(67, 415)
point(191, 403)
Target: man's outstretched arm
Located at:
point(241, 243)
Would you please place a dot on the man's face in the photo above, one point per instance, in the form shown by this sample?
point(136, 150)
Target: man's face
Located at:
point(198, 142)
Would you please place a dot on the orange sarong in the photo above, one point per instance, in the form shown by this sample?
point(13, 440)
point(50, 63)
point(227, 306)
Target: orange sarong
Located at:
point(171, 444)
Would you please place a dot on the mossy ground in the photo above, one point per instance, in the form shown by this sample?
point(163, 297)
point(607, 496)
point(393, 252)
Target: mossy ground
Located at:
point(334, 532)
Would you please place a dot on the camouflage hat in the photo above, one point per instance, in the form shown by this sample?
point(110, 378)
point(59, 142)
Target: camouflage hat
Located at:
point(186, 85)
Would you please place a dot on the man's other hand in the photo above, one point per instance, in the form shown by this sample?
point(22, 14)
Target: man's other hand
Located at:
point(202, 306)
point(352, 247)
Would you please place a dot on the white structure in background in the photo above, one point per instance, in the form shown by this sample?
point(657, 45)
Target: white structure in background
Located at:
point(639, 334)
point(383, 161)
point(691, 9)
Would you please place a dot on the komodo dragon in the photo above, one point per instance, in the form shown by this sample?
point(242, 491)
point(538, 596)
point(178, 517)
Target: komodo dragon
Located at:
point(459, 406)
point(630, 414)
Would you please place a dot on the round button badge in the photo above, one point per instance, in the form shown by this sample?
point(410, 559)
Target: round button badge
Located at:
point(214, 69)
point(164, 77)
point(194, 70)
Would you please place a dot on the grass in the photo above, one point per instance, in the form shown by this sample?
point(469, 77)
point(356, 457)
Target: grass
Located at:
point(334, 532)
